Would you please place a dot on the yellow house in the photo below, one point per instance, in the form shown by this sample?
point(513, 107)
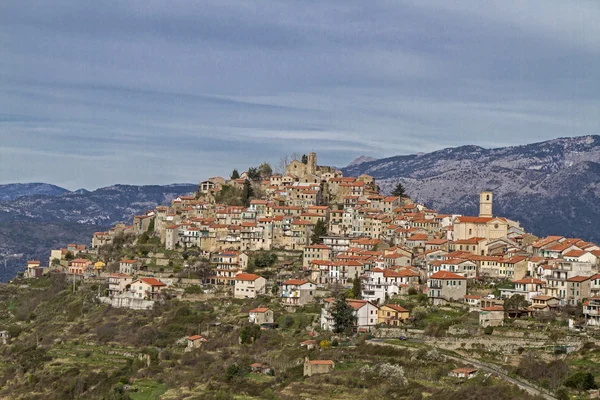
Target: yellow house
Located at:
point(99, 266)
point(392, 315)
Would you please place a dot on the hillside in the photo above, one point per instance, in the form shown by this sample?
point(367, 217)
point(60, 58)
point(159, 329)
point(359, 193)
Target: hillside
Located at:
point(13, 191)
point(552, 187)
point(30, 226)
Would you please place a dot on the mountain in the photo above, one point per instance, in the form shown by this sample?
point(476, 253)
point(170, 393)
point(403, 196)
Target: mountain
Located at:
point(551, 187)
point(30, 226)
point(361, 160)
point(13, 191)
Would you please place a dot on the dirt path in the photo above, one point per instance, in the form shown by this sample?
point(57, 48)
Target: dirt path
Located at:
point(521, 384)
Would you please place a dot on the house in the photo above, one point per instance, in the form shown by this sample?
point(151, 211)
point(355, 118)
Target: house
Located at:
point(446, 286)
point(463, 373)
point(366, 313)
point(578, 288)
point(309, 344)
point(259, 368)
point(297, 292)
point(591, 310)
point(315, 252)
point(545, 303)
point(473, 302)
point(248, 286)
point(491, 316)
point(128, 267)
point(392, 315)
point(195, 342)
point(34, 270)
point(314, 367)
point(261, 315)
point(146, 288)
point(118, 284)
point(79, 266)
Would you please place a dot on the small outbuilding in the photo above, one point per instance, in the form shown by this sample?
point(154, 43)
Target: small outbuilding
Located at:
point(314, 367)
point(195, 342)
point(463, 373)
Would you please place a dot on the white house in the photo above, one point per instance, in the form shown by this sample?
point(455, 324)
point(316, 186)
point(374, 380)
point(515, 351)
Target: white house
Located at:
point(118, 283)
point(146, 288)
point(366, 313)
point(248, 286)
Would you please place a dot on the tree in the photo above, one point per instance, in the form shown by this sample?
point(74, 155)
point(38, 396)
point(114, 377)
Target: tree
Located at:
point(515, 302)
point(342, 314)
point(319, 230)
point(151, 225)
point(357, 287)
point(69, 256)
point(247, 193)
point(398, 190)
point(581, 381)
point(253, 174)
point(235, 174)
point(304, 159)
point(264, 170)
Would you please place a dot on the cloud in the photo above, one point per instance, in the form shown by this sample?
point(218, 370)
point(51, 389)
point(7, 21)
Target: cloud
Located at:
point(158, 92)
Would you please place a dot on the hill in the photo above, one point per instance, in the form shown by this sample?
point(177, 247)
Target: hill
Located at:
point(552, 187)
point(30, 226)
point(13, 191)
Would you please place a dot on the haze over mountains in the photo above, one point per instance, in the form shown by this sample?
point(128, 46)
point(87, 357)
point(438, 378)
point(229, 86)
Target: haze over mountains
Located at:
point(552, 187)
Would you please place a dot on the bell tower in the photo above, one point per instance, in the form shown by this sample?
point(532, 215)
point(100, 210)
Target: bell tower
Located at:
point(485, 204)
point(312, 163)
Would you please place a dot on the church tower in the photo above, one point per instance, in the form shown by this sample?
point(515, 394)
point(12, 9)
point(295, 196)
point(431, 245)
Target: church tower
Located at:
point(485, 204)
point(312, 163)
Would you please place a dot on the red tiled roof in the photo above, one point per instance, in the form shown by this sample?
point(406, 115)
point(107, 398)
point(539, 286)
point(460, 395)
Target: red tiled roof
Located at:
point(260, 310)
point(246, 277)
point(446, 275)
point(295, 282)
point(153, 282)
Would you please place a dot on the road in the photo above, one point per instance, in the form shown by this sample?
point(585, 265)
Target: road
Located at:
point(523, 385)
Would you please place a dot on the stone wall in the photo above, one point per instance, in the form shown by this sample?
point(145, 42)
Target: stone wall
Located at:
point(128, 302)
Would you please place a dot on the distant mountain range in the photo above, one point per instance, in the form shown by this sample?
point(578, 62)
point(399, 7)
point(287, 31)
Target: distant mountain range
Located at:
point(15, 190)
point(551, 187)
point(37, 217)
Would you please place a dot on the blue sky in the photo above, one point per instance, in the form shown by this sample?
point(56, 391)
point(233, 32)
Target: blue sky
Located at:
point(153, 92)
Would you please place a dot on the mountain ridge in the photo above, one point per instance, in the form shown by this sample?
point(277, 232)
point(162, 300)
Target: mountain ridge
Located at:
point(560, 177)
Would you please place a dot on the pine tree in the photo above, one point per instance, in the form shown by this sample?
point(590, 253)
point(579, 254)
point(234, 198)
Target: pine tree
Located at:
point(235, 174)
point(247, 193)
point(357, 287)
point(399, 190)
point(319, 230)
point(304, 159)
point(342, 314)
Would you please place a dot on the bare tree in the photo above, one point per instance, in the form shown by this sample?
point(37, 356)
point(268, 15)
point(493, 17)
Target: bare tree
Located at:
point(285, 160)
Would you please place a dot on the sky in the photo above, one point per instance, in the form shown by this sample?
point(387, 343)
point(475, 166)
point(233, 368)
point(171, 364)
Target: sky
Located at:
point(94, 93)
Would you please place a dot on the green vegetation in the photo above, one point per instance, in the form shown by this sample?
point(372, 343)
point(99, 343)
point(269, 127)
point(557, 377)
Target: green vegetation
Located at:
point(319, 231)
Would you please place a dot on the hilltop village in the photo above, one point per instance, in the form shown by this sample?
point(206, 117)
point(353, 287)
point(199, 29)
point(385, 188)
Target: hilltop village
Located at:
point(319, 262)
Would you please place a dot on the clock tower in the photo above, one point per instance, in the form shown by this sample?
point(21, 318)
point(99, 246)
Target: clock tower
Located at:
point(485, 204)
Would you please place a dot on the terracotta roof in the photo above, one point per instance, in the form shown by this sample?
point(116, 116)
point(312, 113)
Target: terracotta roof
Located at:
point(153, 282)
point(196, 337)
point(246, 277)
point(530, 281)
point(579, 279)
point(446, 275)
point(321, 362)
point(260, 310)
point(395, 307)
point(295, 282)
point(493, 308)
